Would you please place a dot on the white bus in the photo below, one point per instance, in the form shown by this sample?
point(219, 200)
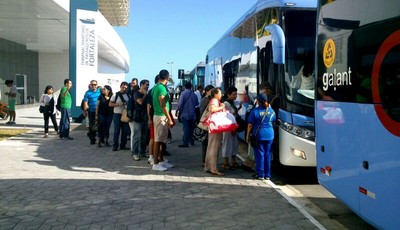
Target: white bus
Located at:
point(273, 42)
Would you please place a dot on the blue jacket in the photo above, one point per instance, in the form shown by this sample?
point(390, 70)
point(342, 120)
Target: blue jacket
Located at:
point(266, 131)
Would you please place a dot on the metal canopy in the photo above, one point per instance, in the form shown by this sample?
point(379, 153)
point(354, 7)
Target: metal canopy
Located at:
point(115, 11)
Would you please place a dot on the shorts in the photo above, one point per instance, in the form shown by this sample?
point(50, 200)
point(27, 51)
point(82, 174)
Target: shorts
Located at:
point(151, 127)
point(160, 128)
point(11, 104)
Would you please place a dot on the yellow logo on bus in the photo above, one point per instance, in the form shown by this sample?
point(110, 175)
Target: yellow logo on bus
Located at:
point(329, 53)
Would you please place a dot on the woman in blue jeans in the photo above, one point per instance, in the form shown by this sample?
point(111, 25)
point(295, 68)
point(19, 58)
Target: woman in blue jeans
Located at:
point(260, 125)
point(104, 115)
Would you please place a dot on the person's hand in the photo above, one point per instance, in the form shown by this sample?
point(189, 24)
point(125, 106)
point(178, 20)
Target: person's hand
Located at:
point(84, 113)
point(171, 124)
point(248, 139)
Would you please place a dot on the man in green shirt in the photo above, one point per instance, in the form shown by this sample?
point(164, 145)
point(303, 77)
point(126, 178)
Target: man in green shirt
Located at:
point(161, 120)
point(66, 104)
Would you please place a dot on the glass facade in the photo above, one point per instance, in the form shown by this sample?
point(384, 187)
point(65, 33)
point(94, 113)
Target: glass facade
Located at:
point(16, 60)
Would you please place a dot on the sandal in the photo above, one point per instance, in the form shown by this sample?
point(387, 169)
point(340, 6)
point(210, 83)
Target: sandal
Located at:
point(217, 173)
point(226, 166)
point(235, 165)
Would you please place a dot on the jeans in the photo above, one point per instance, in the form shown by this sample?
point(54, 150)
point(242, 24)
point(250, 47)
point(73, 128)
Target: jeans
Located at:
point(92, 118)
point(262, 155)
point(104, 126)
point(188, 127)
point(138, 137)
point(46, 117)
point(118, 127)
point(64, 122)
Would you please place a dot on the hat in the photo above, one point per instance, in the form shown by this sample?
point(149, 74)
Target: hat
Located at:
point(262, 98)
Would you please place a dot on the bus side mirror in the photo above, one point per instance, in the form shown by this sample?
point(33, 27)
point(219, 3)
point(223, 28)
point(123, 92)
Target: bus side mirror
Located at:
point(278, 43)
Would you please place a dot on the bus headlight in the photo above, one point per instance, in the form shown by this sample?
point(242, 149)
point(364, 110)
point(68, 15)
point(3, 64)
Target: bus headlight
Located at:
point(298, 131)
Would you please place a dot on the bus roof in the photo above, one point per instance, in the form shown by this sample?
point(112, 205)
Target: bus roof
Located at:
point(263, 4)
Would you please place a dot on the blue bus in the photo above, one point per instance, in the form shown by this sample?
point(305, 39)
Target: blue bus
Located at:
point(357, 108)
point(273, 42)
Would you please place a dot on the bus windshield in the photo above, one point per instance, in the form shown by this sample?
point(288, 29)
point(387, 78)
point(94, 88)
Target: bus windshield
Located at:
point(300, 30)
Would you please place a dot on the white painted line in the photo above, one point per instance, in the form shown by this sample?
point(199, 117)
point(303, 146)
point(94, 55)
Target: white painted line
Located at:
point(297, 206)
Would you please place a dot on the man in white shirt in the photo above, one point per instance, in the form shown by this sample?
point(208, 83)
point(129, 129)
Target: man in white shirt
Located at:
point(199, 93)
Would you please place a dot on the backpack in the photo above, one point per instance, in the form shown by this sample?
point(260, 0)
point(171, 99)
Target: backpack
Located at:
point(58, 105)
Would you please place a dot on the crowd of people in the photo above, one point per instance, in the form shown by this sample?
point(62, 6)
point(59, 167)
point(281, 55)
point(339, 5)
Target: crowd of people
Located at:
point(144, 115)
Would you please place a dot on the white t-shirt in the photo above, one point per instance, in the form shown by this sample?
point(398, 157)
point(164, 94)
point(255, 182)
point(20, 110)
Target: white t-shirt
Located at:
point(13, 89)
point(198, 94)
point(119, 109)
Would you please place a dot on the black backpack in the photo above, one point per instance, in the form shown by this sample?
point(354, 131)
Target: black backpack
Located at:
point(58, 105)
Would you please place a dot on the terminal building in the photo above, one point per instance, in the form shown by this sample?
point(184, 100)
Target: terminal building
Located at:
point(34, 45)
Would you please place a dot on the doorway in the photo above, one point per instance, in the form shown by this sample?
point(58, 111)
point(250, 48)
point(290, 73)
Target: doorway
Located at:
point(20, 83)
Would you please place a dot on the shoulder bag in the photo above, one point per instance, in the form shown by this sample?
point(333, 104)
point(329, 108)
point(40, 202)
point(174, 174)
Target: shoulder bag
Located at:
point(253, 138)
point(124, 117)
point(179, 112)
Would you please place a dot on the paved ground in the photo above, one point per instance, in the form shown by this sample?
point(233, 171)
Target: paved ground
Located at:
point(61, 184)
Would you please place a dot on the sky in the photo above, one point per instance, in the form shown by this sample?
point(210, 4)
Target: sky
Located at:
point(178, 31)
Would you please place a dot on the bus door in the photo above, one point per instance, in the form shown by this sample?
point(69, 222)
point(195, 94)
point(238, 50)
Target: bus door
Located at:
point(229, 71)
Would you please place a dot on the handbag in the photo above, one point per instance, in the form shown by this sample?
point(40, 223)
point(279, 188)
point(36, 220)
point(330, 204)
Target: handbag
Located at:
point(179, 112)
point(42, 109)
point(95, 126)
point(253, 140)
point(203, 119)
point(250, 153)
point(124, 117)
point(220, 122)
point(200, 134)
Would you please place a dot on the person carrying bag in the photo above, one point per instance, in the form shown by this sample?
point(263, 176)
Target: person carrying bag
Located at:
point(262, 138)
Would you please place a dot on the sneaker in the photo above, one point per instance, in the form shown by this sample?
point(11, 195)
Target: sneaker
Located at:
point(159, 167)
point(256, 177)
point(46, 135)
point(9, 122)
point(13, 123)
point(135, 157)
point(166, 165)
point(150, 160)
point(266, 178)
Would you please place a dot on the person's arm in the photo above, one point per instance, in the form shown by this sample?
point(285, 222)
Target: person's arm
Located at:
point(138, 99)
point(214, 108)
point(85, 104)
point(64, 94)
point(115, 104)
point(97, 109)
point(249, 128)
point(148, 114)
